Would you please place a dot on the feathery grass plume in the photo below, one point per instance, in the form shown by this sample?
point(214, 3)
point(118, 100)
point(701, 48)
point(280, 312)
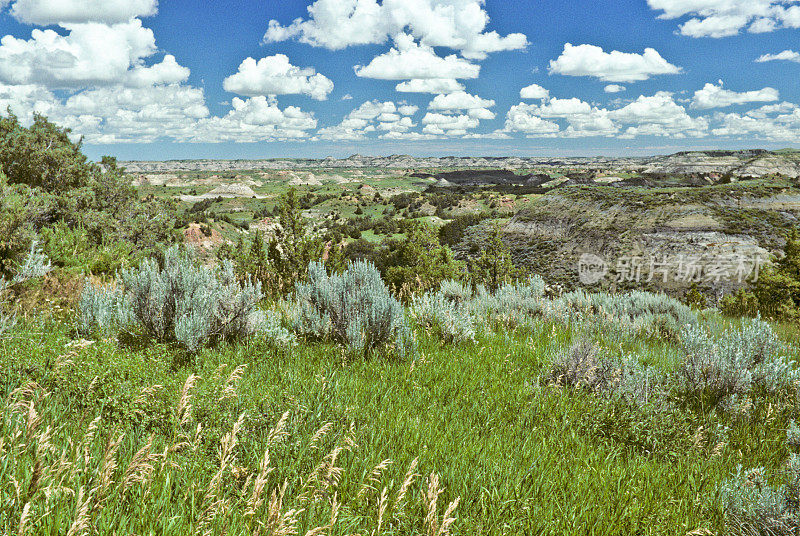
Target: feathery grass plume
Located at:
point(231, 385)
point(24, 519)
point(184, 412)
point(431, 498)
point(17, 488)
point(279, 523)
point(146, 394)
point(140, 466)
point(25, 391)
point(448, 518)
point(319, 434)
point(215, 503)
point(80, 525)
point(256, 498)
point(108, 468)
point(374, 478)
point(324, 476)
point(350, 438)
point(318, 531)
point(432, 525)
point(279, 431)
point(88, 438)
point(407, 481)
point(382, 504)
point(32, 418)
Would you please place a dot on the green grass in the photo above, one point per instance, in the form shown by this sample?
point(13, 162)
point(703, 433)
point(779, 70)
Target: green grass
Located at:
point(524, 457)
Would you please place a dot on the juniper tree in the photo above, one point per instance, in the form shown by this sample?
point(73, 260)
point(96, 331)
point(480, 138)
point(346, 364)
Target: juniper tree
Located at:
point(494, 266)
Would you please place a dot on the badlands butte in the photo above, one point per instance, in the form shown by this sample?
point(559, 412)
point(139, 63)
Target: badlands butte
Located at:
point(709, 215)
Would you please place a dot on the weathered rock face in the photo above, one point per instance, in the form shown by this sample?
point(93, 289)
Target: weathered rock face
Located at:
point(652, 239)
point(195, 236)
point(226, 191)
point(736, 163)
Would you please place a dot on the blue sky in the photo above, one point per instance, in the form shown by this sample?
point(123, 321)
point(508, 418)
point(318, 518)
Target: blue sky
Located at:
point(251, 79)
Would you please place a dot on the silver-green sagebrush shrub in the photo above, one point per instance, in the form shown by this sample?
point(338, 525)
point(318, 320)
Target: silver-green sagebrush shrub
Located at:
point(178, 300)
point(36, 264)
point(714, 367)
point(753, 506)
point(512, 304)
point(454, 312)
point(455, 291)
point(793, 435)
point(353, 308)
point(585, 365)
point(588, 366)
point(444, 313)
point(637, 312)
point(104, 310)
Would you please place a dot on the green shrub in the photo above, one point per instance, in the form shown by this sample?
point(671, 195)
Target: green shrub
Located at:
point(73, 249)
point(493, 267)
point(740, 303)
point(418, 263)
point(776, 292)
point(52, 182)
point(353, 308)
point(778, 286)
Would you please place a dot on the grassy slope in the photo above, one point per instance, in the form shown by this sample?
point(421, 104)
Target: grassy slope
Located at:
point(523, 456)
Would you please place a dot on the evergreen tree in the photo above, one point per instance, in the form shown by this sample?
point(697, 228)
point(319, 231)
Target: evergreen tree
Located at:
point(293, 246)
point(419, 262)
point(778, 286)
point(494, 266)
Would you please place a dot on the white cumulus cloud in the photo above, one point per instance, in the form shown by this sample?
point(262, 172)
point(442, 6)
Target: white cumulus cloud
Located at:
point(46, 12)
point(614, 88)
point(459, 101)
point(534, 91)
point(456, 24)
point(252, 120)
point(715, 96)
point(409, 60)
point(524, 118)
point(786, 55)
point(430, 85)
point(723, 18)
point(91, 53)
point(370, 117)
point(275, 75)
point(656, 115)
point(614, 66)
point(166, 72)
